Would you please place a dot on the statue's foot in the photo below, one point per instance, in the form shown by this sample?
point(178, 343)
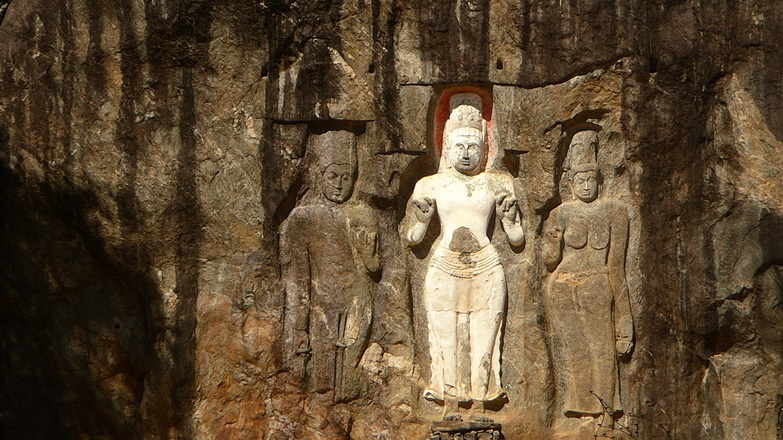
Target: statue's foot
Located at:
point(453, 417)
point(481, 418)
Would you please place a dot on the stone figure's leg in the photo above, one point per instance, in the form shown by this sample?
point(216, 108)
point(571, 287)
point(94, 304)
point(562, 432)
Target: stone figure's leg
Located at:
point(484, 328)
point(485, 325)
point(323, 352)
point(443, 349)
point(574, 374)
point(355, 335)
point(596, 303)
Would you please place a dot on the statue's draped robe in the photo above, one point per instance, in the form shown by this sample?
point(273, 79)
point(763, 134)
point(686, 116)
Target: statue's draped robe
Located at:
point(583, 303)
point(329, 296)
point(466, 290)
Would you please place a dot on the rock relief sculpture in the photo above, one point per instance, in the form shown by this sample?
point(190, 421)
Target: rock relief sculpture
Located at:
point(329, 258)
point(587, 296)
point(465, 286)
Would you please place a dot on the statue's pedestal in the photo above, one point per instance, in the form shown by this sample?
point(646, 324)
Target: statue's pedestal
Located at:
point(466, 430)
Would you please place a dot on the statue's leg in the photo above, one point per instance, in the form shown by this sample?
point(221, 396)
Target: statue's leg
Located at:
point(443, 350)
point(484, 342)
point(598, 328)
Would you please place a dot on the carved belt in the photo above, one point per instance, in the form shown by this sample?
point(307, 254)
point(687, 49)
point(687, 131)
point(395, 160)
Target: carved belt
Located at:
point(465, 264)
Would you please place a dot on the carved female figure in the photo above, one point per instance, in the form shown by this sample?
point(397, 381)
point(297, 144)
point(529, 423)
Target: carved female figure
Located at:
point(587, 298)
point(465, 286)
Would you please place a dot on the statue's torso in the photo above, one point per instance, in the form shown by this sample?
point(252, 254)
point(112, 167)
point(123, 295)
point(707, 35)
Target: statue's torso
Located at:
point(465, 205)
point(586, 233)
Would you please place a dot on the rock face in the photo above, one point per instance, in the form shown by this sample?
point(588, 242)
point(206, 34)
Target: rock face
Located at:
point(165, 170)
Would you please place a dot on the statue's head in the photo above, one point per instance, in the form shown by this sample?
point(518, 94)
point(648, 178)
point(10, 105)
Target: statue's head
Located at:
point(466, 150)
point(337, 182)
point(335, 169)
point(585, 177)
point(465, 134)
point(585, 184)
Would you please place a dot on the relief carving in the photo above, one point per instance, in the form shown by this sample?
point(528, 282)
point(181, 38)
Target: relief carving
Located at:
point(465, 286)
point(329, 259)
point(587, 296)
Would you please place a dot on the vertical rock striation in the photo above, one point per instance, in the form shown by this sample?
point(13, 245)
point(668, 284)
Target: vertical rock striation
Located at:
point(151, 152)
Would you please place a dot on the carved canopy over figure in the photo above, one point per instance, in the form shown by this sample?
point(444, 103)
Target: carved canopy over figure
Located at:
point(587, 298)
point(328, 257)
point(465, 286)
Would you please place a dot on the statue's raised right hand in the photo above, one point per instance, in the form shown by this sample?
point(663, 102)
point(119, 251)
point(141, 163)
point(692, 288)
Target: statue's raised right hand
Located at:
point(423, 208)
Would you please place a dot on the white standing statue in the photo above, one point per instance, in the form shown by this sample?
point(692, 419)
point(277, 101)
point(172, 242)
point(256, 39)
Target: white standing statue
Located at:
point(465, 286)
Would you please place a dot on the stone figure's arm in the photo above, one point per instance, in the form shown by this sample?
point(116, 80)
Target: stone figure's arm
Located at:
point(553, 240)
point(507, 210)
point(616, 264)
point(365, 241)
point(295, 264)
point(421, 209)
point(371, 257)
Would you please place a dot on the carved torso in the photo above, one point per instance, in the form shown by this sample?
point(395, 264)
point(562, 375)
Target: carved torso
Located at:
point(587, 229)
point(465, 205)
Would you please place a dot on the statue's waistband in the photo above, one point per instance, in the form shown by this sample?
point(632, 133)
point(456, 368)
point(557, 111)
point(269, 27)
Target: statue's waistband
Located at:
point(465, 264)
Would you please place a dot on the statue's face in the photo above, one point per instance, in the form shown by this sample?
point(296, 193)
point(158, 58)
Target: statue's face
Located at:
point(466, 152)
point(337, 182)
point(585, 186)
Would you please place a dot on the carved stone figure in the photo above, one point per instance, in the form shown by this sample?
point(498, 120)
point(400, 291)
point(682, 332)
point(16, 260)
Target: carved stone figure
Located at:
point(329, 255)
point(465, 286)
point(587, 298)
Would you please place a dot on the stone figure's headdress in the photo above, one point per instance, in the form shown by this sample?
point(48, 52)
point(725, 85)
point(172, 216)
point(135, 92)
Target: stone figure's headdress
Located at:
point(582, 153)
point(465, 116)
point(333, 147)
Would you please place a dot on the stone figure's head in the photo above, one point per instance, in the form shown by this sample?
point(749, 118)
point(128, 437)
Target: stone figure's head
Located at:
point(585, 183)
point(335, 151)
point(465, 134)
point(337, 182)
point(584, 176)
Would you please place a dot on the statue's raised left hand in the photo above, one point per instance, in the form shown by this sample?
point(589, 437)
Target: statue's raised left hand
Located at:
point(506, 206)
point(423, 208)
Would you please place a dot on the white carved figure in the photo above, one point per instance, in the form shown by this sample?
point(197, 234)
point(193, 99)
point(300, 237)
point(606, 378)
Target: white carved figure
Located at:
point(587, 298)
point(465, 286)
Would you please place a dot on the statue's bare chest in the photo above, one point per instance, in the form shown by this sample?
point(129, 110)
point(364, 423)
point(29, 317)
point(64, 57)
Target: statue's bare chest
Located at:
point(465, 199)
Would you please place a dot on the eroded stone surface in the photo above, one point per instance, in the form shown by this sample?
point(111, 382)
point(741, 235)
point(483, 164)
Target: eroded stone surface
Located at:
point(150, 153)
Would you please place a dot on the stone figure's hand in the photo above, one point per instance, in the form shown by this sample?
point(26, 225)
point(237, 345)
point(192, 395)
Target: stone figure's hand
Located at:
point(506, 206)
point(623, 347)
point(423, 208)
point(364, 239)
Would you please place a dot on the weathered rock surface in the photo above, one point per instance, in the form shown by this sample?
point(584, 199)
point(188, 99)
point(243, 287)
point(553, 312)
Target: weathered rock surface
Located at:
point(151, 152)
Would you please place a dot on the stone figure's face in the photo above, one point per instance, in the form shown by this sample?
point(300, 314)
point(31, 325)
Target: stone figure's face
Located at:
point(466, 152)
point(585, 186)
point(337, 182)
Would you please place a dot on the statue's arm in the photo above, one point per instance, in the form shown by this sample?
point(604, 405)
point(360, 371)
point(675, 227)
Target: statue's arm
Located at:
point(420, 210)
point(364, 237)
point(553, 240)
point(295, 265)
point(509, 213)
point(369, 250)
point(624, 328)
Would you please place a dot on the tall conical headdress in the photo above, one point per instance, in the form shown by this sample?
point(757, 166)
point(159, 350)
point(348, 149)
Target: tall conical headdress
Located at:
point(465, 116)
point(582, 153)
point(333, 147)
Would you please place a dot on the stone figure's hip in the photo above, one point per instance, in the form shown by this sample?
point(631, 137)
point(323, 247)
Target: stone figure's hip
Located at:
point(465, 281)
